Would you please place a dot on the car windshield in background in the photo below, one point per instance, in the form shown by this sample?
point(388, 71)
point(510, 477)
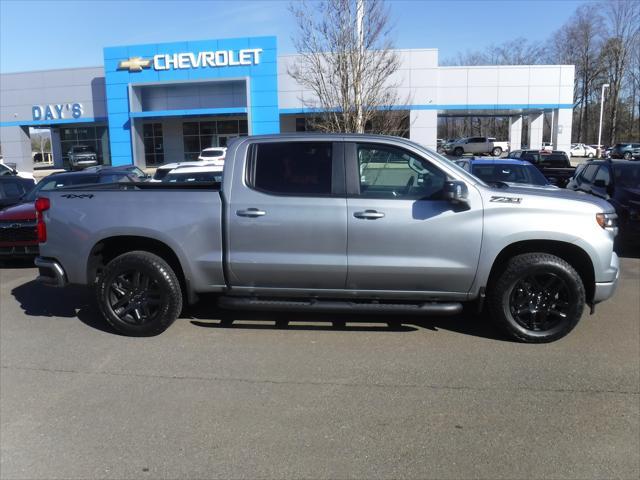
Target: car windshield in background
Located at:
point(212, 153)
point(525, 174)
point(193, 177)
point(627, 176)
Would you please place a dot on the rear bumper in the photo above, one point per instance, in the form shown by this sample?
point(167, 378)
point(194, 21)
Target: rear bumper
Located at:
point(51, 272)
point(606, 290)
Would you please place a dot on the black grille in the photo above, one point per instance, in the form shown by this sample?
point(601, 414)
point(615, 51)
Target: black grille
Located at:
point(17, 231)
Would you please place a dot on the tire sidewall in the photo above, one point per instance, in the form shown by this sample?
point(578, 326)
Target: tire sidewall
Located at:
point(160, 272)
point(546, 265)
point(496, 152)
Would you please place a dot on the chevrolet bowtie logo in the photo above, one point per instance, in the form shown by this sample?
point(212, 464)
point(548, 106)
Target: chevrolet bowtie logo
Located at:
point(134, 64)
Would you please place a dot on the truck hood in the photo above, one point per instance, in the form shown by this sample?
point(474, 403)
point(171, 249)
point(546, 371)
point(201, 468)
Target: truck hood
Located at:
point(558, 198)
point(23, 212)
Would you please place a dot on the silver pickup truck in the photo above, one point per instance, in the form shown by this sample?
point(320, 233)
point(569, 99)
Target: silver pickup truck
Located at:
point(333, 223)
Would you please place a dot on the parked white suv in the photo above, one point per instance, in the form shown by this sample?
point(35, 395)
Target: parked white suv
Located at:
point(476, 145)
point(213, 155)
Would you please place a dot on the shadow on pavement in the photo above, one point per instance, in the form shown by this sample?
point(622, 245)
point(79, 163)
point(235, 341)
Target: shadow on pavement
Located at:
point(20, 262)
point(76, 301)
point(73, 301)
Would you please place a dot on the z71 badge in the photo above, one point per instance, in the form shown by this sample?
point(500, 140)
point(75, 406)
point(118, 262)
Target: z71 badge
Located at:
point(506, 199)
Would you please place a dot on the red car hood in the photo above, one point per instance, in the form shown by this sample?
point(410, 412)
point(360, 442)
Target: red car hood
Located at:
point(24, 211)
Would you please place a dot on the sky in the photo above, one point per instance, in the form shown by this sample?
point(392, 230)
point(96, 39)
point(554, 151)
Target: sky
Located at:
point(40, 35)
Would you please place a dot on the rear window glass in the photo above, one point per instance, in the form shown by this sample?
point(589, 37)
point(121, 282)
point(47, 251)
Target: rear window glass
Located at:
point(292, 168)
point(11, 189)
point(554, 160)
point(212, 153)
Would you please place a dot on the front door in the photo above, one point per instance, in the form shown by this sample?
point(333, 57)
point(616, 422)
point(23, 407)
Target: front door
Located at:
point(402, 235)
point(287, 218)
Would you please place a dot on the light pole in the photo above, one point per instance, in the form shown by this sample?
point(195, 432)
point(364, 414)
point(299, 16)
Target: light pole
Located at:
point(605, 85)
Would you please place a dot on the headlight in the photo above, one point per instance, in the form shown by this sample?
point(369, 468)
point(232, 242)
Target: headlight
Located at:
point(608, 221)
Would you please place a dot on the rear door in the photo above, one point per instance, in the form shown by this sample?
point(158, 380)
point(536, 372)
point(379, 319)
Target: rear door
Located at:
point(476, 145)
point(403, 236)
point(286, 217)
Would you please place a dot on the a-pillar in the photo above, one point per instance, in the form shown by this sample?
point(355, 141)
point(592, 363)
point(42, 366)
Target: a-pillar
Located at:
point(423, 127)
point(515, 133)
point(561, 134)
point(536, 122)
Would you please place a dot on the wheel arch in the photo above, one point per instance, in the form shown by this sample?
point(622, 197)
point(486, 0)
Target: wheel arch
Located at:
point(109, 248)
point(575, 256)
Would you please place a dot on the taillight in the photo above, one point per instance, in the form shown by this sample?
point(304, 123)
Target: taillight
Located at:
point(42, 204)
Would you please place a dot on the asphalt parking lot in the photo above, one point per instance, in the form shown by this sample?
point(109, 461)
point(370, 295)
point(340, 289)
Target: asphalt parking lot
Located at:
point(252, 398)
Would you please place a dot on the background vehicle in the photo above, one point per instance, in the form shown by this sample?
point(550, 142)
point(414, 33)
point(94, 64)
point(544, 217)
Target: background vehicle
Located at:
point(204, 173)
point(555, 166)
point(582, 150)
point(618, 182)
point(17, 223)
point(424, 236)
point(7, 170)
point(82, 156)
point(498, 171)
point(624, 150)
point(477, 145)
point(163, 170)
point(547, 146)
point(130, 170)
point(12, 188)
point(213, 155)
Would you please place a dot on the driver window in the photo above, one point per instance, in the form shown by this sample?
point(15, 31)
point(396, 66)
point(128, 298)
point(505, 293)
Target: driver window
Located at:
point(389, 172)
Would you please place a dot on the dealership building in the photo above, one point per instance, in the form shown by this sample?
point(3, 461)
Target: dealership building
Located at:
point(155, 103)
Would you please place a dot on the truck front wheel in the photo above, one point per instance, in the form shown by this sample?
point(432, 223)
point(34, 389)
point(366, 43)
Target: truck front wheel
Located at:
point(139, 294)
point(458, 151)
point(537, 298)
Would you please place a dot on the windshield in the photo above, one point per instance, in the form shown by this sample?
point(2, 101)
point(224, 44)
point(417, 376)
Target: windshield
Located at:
point(193, 177)
point(627, 176)
point(212, 153)
point(524, 174)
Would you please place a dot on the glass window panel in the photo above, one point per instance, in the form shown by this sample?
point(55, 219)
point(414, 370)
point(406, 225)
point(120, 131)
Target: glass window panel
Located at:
point(294, 168)
point(244, 127)
point(147, 130)
point(207, 128)
point(192, 145)
point(207, 141)
point(228, 126)
point(190, 128)
point(157, 129)
point(86, 133)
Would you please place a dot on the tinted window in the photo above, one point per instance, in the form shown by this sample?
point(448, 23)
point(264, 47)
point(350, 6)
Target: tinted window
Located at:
point(388, 172)
point(603, 174)
point(12, 189)
point(532, 157)
point(588, 173)
point(627, 176)
point(113, 178)
point(292, 168)
point(515, 154)
point(476, 140)
point(554, 160)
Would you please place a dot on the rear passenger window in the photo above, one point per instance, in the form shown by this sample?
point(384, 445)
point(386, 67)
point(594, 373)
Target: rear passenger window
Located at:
point(12, 189)
point(292, 168)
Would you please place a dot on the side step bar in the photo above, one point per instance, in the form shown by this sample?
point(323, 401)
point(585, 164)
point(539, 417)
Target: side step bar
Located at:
point(337, 306)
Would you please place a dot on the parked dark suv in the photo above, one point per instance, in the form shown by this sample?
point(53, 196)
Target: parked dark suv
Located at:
point(618, 182)
point(625, 150)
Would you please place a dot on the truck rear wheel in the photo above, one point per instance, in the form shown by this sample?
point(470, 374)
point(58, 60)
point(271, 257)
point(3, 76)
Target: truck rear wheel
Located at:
point(139, 294)
point(537, 298)
point(496, 152)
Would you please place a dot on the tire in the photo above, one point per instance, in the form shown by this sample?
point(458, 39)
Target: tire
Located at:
point(458, 151)
point(590, 155)
point(536, 298)
point(627, 155)
point(496, 152)
point(139, 294)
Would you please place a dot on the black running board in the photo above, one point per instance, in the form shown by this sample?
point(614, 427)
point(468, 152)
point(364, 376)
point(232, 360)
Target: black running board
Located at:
point(337, 306)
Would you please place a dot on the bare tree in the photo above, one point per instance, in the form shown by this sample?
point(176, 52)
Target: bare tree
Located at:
point(519, 51)
point(346, 59)
point(623, 21)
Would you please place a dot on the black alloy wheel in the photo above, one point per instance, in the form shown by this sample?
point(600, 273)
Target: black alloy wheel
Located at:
point(540, 301)
point(139, 294)
point(135, 297)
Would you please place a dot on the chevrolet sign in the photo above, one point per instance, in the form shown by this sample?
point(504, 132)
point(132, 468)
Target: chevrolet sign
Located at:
point(179, 61)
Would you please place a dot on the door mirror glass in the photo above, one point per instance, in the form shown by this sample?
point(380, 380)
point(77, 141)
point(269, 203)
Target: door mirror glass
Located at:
point(456, 191)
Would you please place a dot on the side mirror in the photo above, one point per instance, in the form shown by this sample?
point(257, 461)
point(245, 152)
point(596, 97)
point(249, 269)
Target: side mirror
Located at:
point(456, 192)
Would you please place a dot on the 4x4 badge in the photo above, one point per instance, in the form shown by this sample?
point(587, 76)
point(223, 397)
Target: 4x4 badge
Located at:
point(81, 195)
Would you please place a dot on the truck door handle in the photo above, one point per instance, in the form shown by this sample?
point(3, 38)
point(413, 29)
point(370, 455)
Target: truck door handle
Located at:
point(369, 215)
point(251, 212)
